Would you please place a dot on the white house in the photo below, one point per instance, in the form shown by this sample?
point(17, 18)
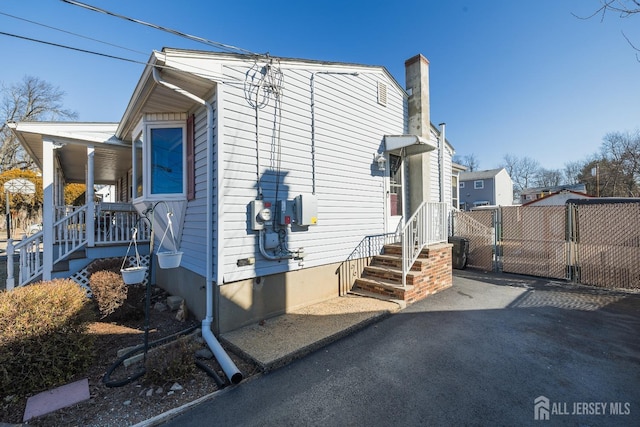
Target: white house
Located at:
point(273, 171)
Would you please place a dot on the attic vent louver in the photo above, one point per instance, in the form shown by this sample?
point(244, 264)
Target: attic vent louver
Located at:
point(382, 94)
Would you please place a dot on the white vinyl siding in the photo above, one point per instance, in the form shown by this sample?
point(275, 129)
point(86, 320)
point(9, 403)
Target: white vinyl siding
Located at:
point(349, 130)
point(193, 242)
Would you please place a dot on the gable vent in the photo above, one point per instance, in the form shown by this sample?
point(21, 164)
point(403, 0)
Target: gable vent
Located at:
point(382, 94)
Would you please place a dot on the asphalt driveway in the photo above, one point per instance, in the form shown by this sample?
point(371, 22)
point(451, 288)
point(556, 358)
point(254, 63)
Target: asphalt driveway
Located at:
point(479, 353)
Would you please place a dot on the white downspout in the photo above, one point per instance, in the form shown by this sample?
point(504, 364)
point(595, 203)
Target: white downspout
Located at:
point(227, 365)
point(91, 207)
point(441, 161)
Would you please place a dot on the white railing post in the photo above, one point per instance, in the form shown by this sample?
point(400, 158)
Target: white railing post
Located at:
point(427, 225)
point(10, 279)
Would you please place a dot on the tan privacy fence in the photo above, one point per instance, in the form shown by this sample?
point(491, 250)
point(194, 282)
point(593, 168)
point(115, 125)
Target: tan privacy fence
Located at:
point(607, 244)
point(593, 241)
point(478, 227)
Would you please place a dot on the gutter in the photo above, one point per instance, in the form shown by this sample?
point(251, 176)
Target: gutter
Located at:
point(227, 365)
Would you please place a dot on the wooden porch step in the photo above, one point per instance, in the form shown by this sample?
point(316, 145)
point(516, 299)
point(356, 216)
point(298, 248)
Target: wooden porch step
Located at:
point(64, 264)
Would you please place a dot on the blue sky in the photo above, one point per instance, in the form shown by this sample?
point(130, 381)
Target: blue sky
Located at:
point(521, 77)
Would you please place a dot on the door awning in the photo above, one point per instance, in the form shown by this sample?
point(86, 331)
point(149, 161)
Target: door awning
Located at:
point(413, 144)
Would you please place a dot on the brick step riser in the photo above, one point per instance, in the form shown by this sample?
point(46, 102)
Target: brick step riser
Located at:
point(395, 293)
point(397, 250)
point(386, 275)
point(396, 263)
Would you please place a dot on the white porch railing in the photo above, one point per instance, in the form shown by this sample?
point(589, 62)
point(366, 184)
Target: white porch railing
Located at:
point(70, 233)
point(112, 225)
point(30, 260)
point(428, 225)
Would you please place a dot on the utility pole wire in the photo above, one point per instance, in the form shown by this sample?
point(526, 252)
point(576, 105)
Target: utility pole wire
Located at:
point(158, 27)
point(72, 48)
point(72, 33)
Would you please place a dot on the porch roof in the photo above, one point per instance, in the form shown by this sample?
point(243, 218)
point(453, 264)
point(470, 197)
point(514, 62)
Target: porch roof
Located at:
point(112, 157)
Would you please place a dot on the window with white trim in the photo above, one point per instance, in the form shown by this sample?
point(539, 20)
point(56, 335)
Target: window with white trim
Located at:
point(159, 155)
point(478, 184)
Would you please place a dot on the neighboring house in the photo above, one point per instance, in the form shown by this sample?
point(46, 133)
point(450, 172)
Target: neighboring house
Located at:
point(557, 198)
point(528, 195)
point(274, 171)
point(485, 188)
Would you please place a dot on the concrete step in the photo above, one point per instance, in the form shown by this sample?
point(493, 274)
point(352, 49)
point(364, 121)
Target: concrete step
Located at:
point(364, 293)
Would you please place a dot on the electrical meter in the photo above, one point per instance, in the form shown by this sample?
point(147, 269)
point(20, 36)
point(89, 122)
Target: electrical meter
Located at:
point(260, 214)
point(265, 214)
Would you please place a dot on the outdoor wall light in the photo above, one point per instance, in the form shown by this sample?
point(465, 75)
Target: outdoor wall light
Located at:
point(381, 161)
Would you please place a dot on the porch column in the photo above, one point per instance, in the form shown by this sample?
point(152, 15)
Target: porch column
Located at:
point(91, 208)
point(48, 202)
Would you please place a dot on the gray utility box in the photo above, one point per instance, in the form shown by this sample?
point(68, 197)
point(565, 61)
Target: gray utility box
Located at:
point(459, 252)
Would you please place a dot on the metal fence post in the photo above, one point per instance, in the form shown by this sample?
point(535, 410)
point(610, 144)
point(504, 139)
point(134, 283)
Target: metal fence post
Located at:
point(10, 279)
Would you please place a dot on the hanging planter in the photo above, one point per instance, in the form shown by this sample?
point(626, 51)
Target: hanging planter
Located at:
point(134, 274)
point(169, 259)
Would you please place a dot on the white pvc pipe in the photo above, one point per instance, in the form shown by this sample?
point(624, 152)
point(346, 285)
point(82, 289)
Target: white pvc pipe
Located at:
point(441, 161)
point(227, 365)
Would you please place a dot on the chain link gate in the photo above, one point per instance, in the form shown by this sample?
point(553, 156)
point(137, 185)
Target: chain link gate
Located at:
point(607, 241)
point(477, 226)
point(593, 241)
point(534, 241)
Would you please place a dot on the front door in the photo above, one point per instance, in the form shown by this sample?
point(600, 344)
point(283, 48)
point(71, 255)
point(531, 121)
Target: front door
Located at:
point(395, 201)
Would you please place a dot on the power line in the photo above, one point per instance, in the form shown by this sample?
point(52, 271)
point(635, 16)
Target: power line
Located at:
point(72, 33)
point(205, 72)
point(161, 28)
point(74, 48)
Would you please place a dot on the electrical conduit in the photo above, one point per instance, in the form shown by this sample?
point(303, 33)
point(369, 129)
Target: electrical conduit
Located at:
point(227, 365)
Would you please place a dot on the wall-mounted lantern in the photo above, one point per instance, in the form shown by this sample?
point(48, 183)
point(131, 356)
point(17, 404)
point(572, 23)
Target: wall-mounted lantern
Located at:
point(381, 161)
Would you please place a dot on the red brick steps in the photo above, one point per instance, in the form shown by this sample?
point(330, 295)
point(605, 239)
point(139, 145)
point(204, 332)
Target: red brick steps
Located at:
point(430, 273)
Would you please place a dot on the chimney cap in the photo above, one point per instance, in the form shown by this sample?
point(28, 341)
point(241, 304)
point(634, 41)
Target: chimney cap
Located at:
point(418, 57)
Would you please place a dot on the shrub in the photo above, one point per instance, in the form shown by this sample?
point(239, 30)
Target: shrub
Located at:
point(109, 291)
point(115, 300)
point(105, 264)
point(172, 362)
point(44, 341)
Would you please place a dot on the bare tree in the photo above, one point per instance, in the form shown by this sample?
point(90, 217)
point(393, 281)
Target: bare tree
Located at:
point(572, 171)
point(548, 177)
point(523, 172)
point(470, 161)
point(620, 165)
point(623, 8)
point(32, 99)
